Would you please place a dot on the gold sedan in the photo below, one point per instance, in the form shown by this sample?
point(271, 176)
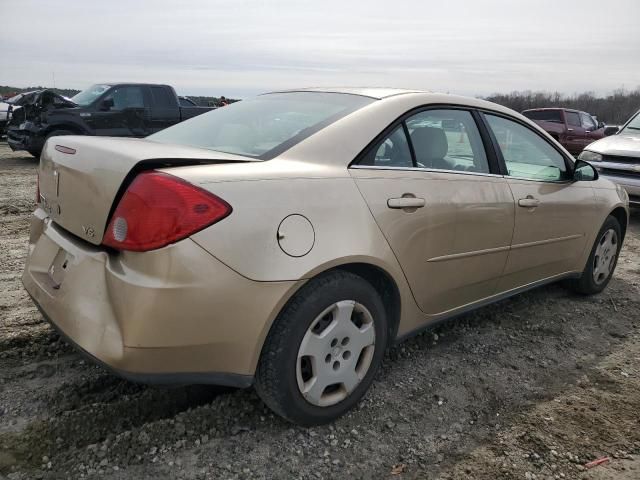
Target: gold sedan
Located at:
point(286, 241)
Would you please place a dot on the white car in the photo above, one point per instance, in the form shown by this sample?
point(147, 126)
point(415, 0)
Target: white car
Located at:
point(617, 157)
point(4, 108)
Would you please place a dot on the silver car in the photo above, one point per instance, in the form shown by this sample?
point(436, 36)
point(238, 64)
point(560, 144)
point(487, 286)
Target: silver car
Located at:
point(618, 157)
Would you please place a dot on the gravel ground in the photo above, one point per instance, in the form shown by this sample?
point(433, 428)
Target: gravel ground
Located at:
point(530, 388)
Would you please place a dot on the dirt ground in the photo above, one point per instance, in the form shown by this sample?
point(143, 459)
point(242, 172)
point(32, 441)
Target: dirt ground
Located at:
point(533, 387)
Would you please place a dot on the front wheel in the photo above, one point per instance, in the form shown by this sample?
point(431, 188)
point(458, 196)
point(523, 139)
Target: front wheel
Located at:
point(324, 349)
point(602, 260)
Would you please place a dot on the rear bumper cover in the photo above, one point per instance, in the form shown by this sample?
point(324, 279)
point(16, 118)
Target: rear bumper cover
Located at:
point(212, 378)
point(173, 315)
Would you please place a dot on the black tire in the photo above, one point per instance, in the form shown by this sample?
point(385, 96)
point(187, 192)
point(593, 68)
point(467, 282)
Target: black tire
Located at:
point(55, 133)
point(276, 381)
point(586, 284)
point(58, 133)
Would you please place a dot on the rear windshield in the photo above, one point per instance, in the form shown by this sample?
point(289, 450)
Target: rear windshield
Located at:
point(265, 126)
point(547, 115)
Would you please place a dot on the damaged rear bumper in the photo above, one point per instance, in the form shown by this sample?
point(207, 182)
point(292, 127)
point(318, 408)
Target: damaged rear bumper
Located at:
point(173, 315)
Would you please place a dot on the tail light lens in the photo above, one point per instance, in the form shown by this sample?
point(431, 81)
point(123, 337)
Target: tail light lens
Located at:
point(159, 209)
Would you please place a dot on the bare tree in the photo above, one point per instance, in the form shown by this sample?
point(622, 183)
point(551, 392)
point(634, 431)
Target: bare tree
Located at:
point(615, 108)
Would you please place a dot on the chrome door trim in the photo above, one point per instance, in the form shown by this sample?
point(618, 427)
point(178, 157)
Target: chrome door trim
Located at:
point(425, 170)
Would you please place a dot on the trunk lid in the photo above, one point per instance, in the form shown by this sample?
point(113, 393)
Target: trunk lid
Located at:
point(80, 177)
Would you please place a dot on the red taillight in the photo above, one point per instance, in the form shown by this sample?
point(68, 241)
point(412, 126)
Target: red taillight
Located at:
point(158, 209)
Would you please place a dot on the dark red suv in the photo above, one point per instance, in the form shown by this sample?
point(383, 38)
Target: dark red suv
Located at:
point(572, 128)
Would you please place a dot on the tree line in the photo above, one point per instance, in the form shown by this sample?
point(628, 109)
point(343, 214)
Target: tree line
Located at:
point(613, 109)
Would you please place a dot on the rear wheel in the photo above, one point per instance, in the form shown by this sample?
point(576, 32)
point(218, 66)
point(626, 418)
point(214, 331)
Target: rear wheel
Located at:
point(324, 349)
point(602, 260)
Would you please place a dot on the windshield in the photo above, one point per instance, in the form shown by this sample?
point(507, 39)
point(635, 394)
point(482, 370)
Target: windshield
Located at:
point(16, 98)
point(265, 126)
point(87, 96)
point(634, 125)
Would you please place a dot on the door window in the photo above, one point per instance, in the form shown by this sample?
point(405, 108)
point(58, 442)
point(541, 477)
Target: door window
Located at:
point(526, 154)
point(126, 97)
point(392, 151)
point(587, 122)
point(573, 118)
point(163, 97)
point(447, 140)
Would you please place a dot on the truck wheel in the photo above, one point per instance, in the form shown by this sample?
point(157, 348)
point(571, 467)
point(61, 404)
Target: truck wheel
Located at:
point(56, 133)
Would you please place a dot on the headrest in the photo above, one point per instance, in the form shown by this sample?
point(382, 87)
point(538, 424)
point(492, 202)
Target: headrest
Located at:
point(429, 143)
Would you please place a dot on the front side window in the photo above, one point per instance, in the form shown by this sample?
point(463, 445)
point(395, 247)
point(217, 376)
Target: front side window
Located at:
point(526, 154)
point(587, 122)
point(265, 126)
point(126, 97)
point(447, 140)
point(87, 96)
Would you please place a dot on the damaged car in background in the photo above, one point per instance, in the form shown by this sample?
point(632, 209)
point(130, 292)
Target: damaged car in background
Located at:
point(618, 157)
point(114, 110)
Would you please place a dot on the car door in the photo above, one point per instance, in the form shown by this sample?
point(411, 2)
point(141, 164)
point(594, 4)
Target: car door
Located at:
point(575, 132)
point(447, 215)
point(553, 214)
point(121, 113)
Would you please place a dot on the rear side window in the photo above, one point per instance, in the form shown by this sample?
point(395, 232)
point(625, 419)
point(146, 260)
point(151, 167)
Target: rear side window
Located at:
point(265, 126)
point(546, 115)
point(441, 139)
point(447, 140)
point(392, 151)
point(163, 97)
point(573, 118)
point(526, 154)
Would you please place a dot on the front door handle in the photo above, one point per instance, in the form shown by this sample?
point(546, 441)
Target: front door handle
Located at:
point(405, 202)
point(529, 202)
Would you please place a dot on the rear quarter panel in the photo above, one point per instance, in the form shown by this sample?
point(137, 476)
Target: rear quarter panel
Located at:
point(343, 227)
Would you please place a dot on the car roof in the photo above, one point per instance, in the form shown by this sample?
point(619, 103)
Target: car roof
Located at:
point(372, 92)
point(555, 108)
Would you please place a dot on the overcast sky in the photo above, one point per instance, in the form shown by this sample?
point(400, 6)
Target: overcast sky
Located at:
point(242, 47)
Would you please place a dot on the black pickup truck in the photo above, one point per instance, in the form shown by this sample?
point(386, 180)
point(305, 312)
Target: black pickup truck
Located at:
point(115, 110)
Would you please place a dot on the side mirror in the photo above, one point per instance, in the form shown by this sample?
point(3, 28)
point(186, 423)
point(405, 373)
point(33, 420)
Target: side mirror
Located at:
point(600, 124)
point(611, 130)
point(107, 104)
point(584, 172)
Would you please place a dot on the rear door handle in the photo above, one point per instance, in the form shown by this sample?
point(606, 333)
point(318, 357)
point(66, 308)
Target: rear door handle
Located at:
point(529, 202)
point(405, 202)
